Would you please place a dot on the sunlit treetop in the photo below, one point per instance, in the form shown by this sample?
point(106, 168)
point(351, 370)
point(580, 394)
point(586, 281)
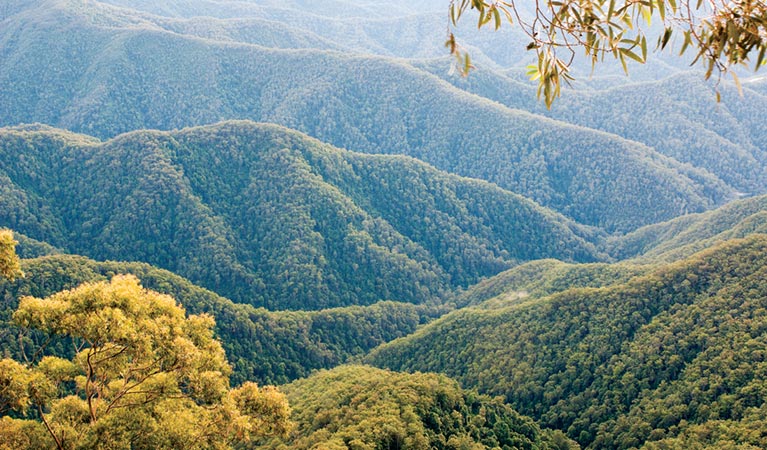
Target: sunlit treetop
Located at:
point(144, 375)
point(9, 262)
point(723, 34)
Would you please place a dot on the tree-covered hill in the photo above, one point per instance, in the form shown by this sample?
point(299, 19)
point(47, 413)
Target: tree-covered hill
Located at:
point(683, 236)
point(674, 357)
point(542, 278)
point(267, 216)
point(339, 9)
point(360, 407)
point(402, 29)
point(637, 253)
point(677, 116)
point(122, 75)
point(263, 346)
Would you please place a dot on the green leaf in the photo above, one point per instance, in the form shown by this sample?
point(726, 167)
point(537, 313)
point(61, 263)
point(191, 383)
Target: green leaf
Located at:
point(647, 15)
point(643, 46)
point(508, 15)
point(666, 37)
point(687, 42)
point(532, 72)
point(622, 59)
point(631, 55)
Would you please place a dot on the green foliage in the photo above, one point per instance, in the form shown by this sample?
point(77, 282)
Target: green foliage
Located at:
point(744, 434)
point(359, 407)
point(623, 365)
point(681, 237)
point(726, 140)
point(273, 218)
point(268, 347)
point(144, 375)
point(542, 278)
point(723, 34)
point(23, 434)
point(151, 79)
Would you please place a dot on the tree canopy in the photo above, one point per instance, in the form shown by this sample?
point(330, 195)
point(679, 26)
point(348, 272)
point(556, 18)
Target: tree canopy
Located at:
point(363, 408)
point(143, 375)
point(9, 262)
point(722, 33)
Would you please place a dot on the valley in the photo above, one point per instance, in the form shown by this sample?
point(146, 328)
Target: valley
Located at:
point(389, 254)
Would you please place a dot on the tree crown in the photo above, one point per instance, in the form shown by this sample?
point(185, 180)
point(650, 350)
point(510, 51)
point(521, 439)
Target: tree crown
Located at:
point(143, 374)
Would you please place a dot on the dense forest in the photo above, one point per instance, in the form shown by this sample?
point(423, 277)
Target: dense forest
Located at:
point(684, 236)
point(727, 141)
point(362, 407)
point(132, 74)
point(620, 365)
point(264, 346)
point(296, 224)
point(273, 218)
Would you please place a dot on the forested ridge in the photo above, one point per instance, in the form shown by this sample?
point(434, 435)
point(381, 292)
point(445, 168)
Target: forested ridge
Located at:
point(364, 407)
point(263, 346)
point(685, 235)
point(620, 366)
point(272, 217)
point(682, 120)
point(359, 407)
point(542, 278)
point(211, 197)
point(129, 75)
point(616, 355)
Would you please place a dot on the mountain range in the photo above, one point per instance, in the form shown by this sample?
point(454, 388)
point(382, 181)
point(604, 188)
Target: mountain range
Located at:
point(267, 216)
point(623, 364)
point(122, 72)
point(419, 259)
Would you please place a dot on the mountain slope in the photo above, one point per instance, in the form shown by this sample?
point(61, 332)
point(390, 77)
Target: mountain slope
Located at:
point(120, 76)
point(401, 29)
point(683, 236)
point(542, 278)
point(263, 346)
point(620, 366)
point(682, 120)
point(270, 217)
point(361, 407)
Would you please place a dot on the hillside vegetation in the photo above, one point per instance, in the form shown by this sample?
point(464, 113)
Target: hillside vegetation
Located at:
point(683, 236)
point(422, 260)
point(541, 278)
point(673, 356)
point(121, 73)
point(263, 346)
point(677, 116)
point(359, 407)
point(267, 216)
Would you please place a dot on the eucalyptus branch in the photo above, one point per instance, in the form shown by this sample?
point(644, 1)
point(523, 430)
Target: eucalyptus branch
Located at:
point(59, 442)
point(724, 34)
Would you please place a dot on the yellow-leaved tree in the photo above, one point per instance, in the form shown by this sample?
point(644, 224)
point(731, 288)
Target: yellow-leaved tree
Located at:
point(144, 376)
point(9, 262)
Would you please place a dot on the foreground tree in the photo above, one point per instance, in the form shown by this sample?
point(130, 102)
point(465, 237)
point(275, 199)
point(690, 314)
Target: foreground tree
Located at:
point(144, 376)
point(722, 33)
point(9, 262)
